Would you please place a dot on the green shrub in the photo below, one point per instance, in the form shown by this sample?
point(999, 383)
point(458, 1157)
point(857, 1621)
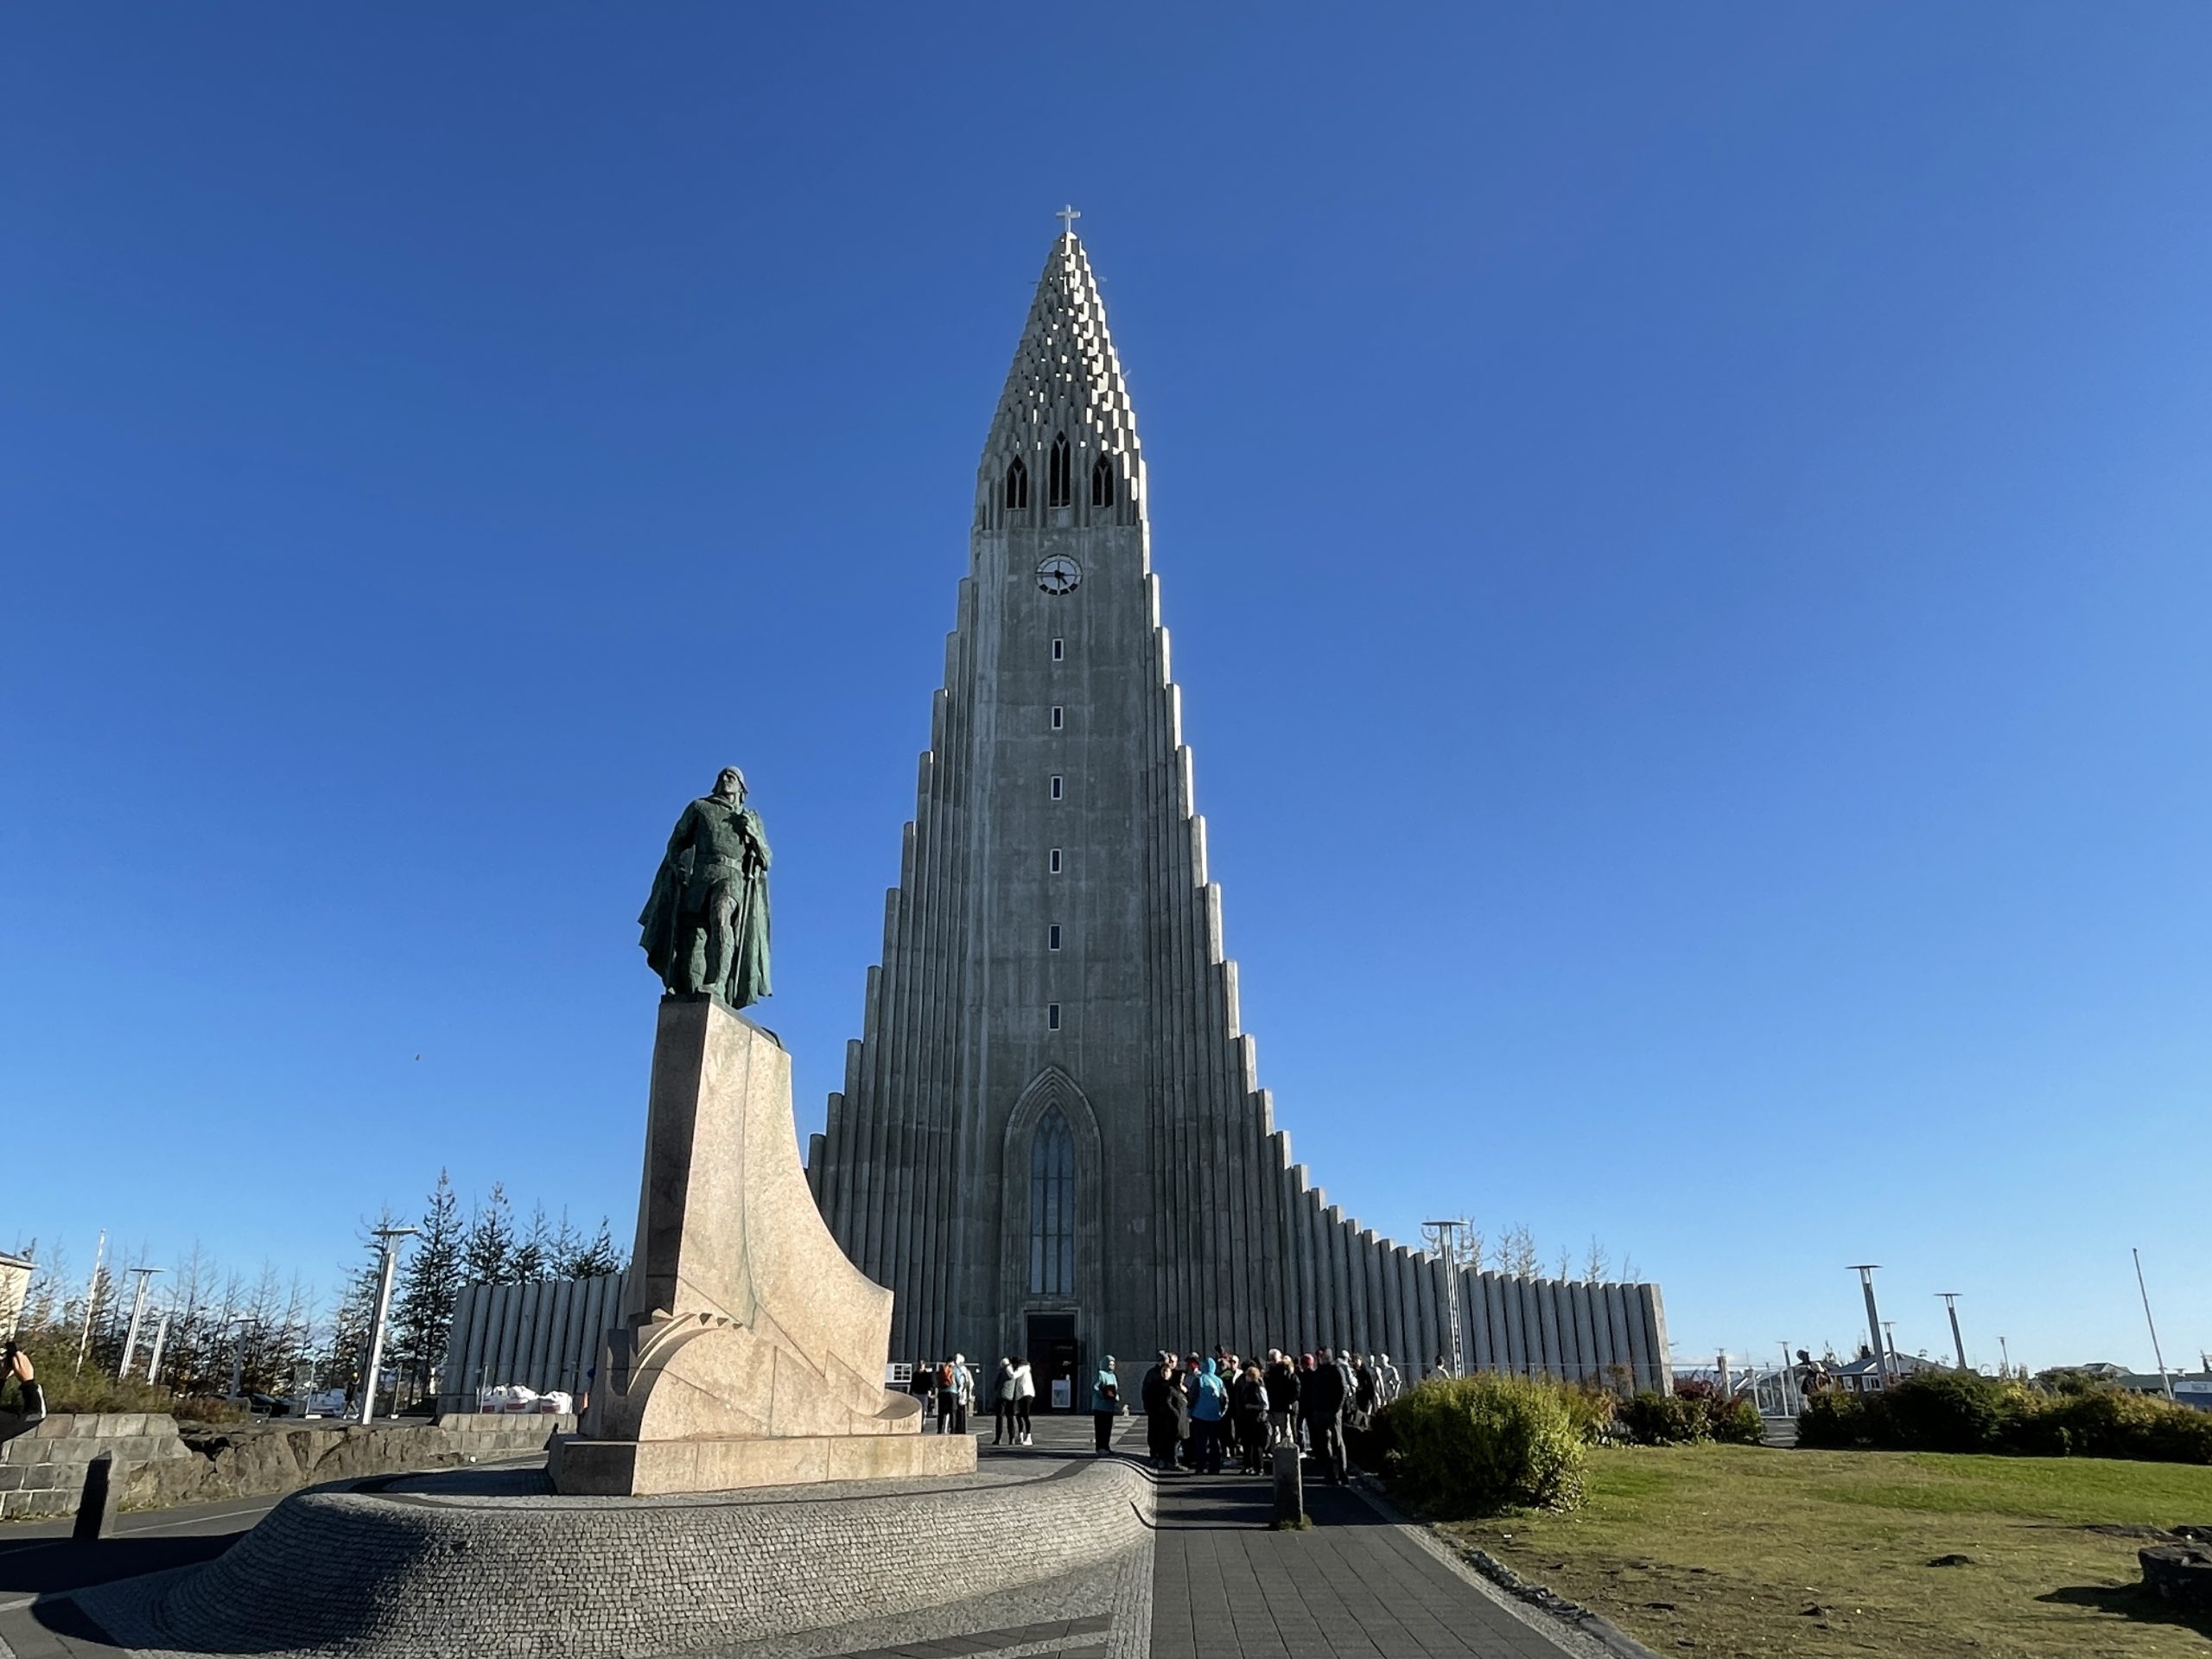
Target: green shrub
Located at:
point(1948, 1411)
point(1735, 1422)
point(68, 1391)
point(1953, 1411)
point(1696, 1411)
point(1594, 1412)
point(1650, 1418)
point(1475, 1445)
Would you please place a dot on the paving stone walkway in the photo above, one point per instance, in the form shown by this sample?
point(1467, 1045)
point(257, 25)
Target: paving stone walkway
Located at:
point(1351, 1586)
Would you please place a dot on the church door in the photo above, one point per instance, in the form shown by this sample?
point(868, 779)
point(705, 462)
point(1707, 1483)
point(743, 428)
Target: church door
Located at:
point(1056, 1361)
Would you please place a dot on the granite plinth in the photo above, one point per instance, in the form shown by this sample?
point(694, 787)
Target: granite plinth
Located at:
point(748, 1346)
point(641, 1468)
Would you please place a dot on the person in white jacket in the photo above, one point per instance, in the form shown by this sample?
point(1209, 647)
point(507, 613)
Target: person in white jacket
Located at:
point(1025, 1395)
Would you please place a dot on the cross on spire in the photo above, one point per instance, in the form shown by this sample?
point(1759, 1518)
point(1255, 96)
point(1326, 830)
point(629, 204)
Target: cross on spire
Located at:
point(1067, 216)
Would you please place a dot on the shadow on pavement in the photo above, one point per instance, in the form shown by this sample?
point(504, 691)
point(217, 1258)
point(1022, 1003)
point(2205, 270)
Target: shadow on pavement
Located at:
point(63, 1564)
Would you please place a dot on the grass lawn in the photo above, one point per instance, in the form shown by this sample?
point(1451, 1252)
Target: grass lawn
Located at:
point(1743, 1550)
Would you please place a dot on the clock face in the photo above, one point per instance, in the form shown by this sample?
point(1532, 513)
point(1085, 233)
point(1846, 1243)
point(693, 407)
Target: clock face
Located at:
point(1058, 574)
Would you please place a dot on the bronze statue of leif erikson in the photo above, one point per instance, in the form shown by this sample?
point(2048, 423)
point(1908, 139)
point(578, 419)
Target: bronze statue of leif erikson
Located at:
point(706, 925)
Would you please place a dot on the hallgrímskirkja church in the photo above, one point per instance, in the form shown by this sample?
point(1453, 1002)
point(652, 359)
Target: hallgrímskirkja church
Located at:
point(1052, 1138)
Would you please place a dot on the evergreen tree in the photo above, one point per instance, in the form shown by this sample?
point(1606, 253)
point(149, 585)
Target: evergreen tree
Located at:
point(422, 1304)
point(566, 1246)
point(533, 1257)
point(595, 1258)
point(491, 1242)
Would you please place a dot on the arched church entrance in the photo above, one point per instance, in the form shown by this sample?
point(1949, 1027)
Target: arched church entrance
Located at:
point(1051, 1288)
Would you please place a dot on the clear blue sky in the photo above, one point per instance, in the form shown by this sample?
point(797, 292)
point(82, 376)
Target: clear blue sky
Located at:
point(1686, 533)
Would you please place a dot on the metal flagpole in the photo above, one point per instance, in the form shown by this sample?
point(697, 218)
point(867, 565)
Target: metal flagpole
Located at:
point(2167, 1381)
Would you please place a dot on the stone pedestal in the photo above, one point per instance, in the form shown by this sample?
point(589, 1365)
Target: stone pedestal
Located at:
point(750, 1351)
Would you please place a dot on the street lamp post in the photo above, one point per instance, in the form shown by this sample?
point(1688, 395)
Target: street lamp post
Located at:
point(386, 1238)
point(160, 1341)
point(137, 1312)
point(238, 1354)
point(1447, 1246)
point(1950, 1299)
point(1865, 1272)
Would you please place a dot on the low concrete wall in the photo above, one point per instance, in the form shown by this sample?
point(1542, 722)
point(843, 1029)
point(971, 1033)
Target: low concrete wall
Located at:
point(160, 1462)
point(411, 1574)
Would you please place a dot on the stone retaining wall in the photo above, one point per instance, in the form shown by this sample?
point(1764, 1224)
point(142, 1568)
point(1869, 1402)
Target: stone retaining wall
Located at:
point(160, 1462)
point(42, 1470)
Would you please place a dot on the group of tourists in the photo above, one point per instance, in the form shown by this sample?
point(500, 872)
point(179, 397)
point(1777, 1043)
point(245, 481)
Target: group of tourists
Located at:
point(1198, 1409)
point(950, 1388)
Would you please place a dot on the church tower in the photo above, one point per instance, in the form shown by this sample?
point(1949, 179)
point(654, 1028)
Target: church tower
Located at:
point(1052, 1139)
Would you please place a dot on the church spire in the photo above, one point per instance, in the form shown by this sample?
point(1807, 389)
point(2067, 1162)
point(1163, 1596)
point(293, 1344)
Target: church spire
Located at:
point(1065, 434)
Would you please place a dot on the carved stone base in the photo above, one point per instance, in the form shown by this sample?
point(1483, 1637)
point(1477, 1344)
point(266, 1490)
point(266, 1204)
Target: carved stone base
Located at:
point(750, 1351)
point(655, 1468)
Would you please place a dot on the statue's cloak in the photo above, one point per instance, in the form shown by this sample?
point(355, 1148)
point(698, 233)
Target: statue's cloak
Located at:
point(666, 923)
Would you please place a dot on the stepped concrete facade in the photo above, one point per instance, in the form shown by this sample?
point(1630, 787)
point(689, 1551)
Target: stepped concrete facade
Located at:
point(1052, 1138)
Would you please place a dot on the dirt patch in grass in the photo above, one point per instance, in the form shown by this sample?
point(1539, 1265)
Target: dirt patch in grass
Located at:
point(1746, 1551)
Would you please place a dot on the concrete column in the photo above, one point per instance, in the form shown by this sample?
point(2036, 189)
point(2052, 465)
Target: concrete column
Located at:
point(1655, 1324)
point(1639, 1344)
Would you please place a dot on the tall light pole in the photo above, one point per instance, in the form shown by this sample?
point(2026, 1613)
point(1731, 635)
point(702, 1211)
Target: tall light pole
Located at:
point(137, 1312)
point(161, 1340)
point(241, 1325)
point(386, 1238)
point(1865, 1272)
point(2165, 1381)
point(1950, 1299)
point(1447, 1246)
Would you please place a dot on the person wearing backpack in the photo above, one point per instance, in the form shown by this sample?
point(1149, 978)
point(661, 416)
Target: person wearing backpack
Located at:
point(948, 1397)
point(1105, 1405)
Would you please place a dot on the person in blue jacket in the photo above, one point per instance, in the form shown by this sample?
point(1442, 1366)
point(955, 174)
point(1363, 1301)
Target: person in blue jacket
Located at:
point(1209, 1415)
point(1105, 1404)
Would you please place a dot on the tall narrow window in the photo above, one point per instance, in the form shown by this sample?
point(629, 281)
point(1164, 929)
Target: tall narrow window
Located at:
point(1056, 716)
point(1017, 483)
point(1056, 788)
point(1052, 1207)
point(1056, 860)
point(1059, 649)
point(1062, 492)
point(1053, 941)
point(1052, 1016)
point(1102, 482)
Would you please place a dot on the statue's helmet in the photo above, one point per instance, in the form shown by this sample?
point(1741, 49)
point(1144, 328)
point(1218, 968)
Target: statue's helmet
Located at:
point(730, 775)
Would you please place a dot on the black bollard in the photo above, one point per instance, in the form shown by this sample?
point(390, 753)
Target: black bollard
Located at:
point(96, 1509)
point(1290, 1490)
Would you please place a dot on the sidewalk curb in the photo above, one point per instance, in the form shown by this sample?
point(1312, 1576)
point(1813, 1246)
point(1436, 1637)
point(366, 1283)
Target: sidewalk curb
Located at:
point(1582, 1620)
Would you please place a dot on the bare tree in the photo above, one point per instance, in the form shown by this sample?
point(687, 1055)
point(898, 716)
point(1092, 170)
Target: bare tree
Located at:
point(1516, 1251)
point(1595, 1264)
